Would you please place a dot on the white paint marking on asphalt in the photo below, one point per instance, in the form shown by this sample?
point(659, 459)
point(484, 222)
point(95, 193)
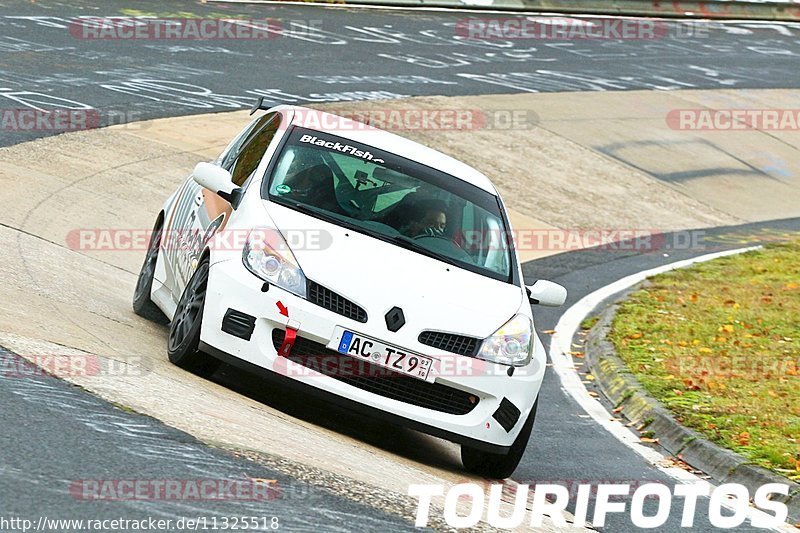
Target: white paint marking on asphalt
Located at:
point(509, 12)
point(561, 346)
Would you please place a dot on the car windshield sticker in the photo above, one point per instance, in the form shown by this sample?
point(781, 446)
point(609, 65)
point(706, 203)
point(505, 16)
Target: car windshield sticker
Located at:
point(340, 147)
point(283, 189)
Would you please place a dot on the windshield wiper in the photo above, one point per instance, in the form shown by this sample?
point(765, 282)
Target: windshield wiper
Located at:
point(324, 215)
point(308, 210)
point(409, 244)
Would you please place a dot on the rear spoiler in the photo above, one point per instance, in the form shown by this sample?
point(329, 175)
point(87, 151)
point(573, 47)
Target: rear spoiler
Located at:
point(259, 105)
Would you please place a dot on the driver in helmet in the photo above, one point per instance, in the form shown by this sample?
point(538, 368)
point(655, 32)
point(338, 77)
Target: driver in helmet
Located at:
point(428, 219)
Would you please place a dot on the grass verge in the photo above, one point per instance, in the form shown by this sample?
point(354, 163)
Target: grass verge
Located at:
point(719, 345)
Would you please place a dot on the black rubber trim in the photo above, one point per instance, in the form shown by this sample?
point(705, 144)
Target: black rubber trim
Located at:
point(353, 405)
point(238, 324)
point(507, 414)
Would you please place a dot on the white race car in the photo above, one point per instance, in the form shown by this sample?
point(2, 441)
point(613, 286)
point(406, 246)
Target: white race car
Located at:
point(360, 266)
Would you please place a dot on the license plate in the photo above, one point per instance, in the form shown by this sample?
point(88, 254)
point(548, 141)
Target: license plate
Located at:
point(378, 353)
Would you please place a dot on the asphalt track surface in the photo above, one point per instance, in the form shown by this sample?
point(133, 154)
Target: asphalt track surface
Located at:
point(373, 53)
point(58, 440)
point(329, 54)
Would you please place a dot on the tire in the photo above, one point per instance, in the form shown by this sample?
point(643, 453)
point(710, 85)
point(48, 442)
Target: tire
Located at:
point(142, 304)
point(496, 465)
point(184, 330)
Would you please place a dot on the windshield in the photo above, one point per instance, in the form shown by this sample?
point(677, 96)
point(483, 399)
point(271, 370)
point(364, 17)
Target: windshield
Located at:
point(393, 199)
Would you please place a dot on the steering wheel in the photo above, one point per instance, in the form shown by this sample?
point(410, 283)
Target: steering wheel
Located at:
point(452, 244)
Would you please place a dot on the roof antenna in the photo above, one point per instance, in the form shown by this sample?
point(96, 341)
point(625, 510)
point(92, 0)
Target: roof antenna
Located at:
point(258, 105)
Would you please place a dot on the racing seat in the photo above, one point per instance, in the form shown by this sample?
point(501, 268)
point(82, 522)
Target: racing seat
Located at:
point(323, 192)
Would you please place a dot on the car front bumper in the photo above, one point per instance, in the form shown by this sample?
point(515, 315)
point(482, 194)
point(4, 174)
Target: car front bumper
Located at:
point(232, 287)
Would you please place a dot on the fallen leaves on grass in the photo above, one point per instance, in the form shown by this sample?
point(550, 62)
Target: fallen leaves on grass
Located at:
point(730, 368)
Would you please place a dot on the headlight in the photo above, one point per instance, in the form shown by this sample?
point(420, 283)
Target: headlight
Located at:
point(267, 255)
point(512, 344)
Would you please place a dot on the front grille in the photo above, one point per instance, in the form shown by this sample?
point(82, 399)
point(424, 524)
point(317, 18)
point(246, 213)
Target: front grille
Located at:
point(376, 379)
point(324, 297)
point(450, 342)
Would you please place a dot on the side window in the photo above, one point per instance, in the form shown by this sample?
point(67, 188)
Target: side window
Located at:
point(229, 157)
point(242, 162)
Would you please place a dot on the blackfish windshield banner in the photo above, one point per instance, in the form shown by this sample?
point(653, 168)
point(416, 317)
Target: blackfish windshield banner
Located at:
point(335, 144)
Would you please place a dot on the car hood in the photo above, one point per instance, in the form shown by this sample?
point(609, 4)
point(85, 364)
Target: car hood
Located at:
point(378, 276)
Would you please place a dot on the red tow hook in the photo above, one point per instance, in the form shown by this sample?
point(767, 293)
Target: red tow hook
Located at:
point(288, 341)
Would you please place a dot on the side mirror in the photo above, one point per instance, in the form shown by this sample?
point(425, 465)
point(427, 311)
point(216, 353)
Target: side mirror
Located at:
point(547, 293)
point(214, 178)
